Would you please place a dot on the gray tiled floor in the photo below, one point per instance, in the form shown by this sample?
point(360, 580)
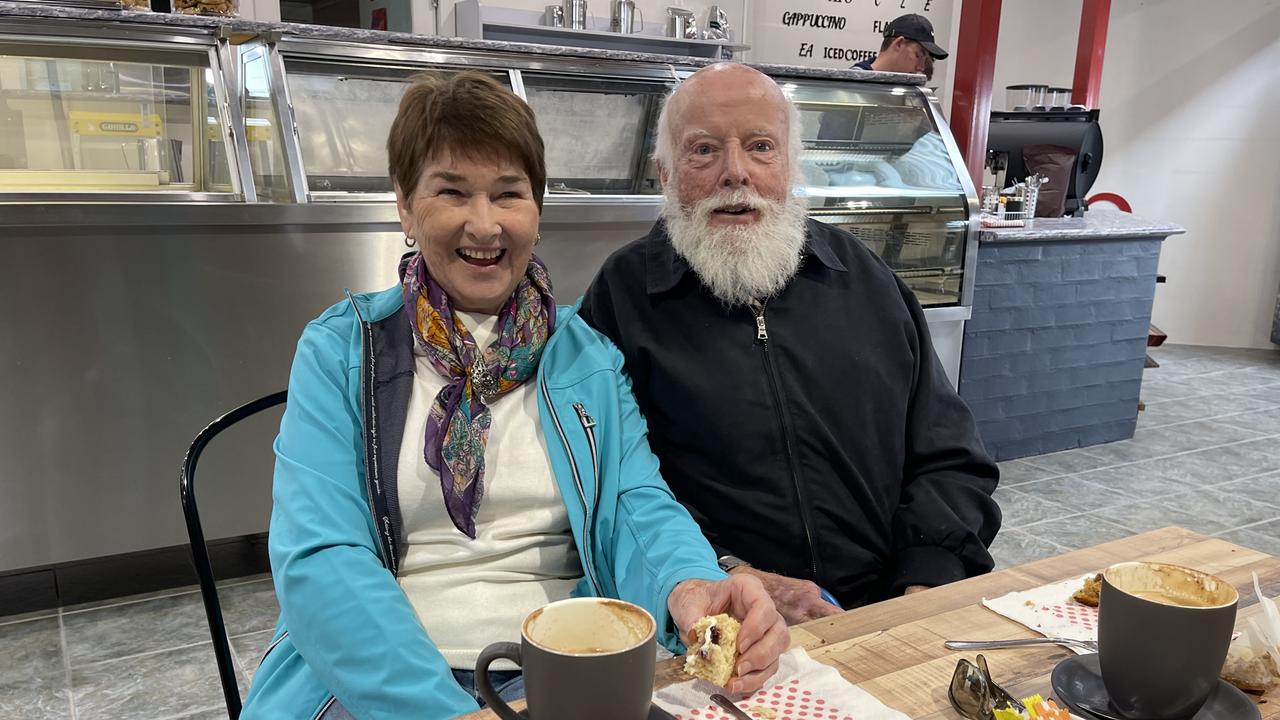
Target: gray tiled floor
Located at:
point(146, 657)
point(1206, 456)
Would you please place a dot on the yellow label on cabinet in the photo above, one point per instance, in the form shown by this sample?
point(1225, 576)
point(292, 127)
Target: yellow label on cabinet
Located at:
point(108, 124)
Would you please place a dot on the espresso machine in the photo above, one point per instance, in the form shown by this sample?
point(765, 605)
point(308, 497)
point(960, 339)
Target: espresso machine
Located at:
point(1013, 137)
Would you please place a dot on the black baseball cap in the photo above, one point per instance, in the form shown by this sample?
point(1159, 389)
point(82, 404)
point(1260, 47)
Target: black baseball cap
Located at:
point(918, 28)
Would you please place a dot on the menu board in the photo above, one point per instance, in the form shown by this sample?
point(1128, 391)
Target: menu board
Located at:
point(835, 33)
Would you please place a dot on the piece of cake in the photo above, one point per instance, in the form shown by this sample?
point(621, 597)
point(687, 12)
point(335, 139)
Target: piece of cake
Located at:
point(1252, 673)
point(1089, 594)
point(715, 654)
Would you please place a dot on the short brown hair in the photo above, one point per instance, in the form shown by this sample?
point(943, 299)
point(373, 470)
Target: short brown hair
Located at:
point(469, 113)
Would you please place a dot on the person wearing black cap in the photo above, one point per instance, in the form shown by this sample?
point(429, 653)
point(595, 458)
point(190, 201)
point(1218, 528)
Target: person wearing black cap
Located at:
point(908, 47)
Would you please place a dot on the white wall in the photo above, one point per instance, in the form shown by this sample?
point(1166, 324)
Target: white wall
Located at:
point(1190, 100)
point(262, 10)
point(944, 71)
point(1037, 44)
point(772, 42)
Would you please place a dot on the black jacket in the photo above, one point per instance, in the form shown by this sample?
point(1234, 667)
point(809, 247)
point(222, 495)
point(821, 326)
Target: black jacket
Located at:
point(834, 450)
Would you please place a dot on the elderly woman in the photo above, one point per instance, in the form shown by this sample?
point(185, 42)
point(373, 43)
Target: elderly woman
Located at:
point(458, 451)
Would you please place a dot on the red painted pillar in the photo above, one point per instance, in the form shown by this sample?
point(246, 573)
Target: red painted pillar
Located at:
point(1086, 86)
point(975, 59)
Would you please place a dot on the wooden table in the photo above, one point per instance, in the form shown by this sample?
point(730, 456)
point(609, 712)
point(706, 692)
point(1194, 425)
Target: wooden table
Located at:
point(893, 649)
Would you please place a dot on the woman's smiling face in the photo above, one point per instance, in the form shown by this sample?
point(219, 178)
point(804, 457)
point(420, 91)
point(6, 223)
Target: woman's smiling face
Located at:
point(476, 222)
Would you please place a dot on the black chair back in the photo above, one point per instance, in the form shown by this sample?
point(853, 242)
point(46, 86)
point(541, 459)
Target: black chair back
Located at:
point(200, 551)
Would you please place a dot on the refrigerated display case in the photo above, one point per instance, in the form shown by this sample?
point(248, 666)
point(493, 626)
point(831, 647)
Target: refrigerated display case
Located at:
point(84, 114)
point(616, 118)
point(878, 161)
point(338, 103)
point(879, 164)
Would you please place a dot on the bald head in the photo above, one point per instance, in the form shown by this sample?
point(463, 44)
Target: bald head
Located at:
point(722, 82)
point(722, 87)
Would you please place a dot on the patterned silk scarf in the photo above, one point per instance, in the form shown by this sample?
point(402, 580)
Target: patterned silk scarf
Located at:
point(458, 424)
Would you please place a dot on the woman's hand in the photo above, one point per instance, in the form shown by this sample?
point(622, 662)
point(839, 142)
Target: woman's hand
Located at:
point(764, 634)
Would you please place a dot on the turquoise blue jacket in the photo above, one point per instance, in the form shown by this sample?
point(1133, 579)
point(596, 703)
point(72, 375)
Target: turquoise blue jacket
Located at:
point(347, 635)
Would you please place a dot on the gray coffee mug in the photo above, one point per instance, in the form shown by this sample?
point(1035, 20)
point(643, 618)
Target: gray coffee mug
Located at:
point(581, 658)
point(1163, 633)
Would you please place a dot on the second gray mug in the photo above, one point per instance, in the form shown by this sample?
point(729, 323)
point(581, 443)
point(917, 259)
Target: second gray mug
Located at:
point(1163, 633)
point(581, 658)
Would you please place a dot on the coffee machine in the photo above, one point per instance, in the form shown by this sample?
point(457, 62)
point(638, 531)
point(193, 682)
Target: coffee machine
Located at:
point(1077, 131)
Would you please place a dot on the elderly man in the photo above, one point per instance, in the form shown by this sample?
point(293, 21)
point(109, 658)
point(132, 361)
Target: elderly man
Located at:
point(792, 393)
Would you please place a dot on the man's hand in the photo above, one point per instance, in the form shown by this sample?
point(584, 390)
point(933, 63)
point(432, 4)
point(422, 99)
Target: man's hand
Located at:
point(914, 589)
point(798, 600)
point(763, 636)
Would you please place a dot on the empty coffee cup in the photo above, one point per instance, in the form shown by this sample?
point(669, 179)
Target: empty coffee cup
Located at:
point(581, 658)
point(1163, 633)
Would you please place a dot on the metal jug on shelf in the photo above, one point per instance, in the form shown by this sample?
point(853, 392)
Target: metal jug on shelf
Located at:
point(623, 17)
point(553, 16)
point(681, 24)
point(718, 24)
point(575, 14)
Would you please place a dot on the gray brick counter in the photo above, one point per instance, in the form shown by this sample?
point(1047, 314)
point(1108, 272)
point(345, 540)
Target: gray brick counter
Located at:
point(1053, 355)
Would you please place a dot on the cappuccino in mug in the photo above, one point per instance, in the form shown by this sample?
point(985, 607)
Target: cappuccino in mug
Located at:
point(581, 658)
point(1169, 598)
point(1163, 632)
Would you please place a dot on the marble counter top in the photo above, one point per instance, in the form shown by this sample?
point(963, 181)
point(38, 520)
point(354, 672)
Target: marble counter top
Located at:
point(1097, 224)
point(377, 37)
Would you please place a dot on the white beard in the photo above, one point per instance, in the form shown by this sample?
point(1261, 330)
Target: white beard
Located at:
point(739, 263)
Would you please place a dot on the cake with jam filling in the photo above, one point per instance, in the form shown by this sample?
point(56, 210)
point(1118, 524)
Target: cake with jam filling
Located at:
point(714, 654)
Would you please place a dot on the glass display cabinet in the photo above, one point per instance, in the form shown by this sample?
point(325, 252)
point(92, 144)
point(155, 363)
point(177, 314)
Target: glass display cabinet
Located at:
point(599, 133)
point(338, 103)
point(878, 164)
point(96, 116)
point(291, 123)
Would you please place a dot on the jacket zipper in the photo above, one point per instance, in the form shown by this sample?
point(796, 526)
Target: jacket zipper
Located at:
point(589, 429)
point(371, 471)
point(577, 481)
point(762, 337)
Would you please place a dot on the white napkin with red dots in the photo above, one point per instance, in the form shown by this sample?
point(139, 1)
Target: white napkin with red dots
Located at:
point(802, 689)
point(1050, 611)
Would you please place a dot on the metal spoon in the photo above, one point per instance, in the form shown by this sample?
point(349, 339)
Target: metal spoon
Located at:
point(1090, 645)
point(730, 707)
